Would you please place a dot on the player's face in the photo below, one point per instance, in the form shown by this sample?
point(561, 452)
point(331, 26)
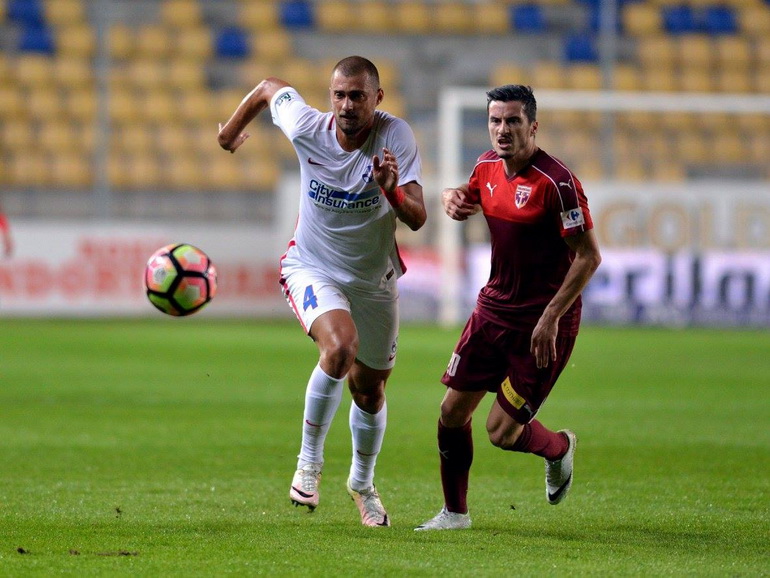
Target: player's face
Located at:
point(510, 130)
point(354, 99)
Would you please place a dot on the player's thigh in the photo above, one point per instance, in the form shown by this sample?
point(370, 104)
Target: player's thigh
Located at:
point(525, 387)
point(376, 319)
point(310, 294)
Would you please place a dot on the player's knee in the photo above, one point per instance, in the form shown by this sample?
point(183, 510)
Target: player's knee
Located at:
point(337, 357)
point(503, 438)
point(453, 416)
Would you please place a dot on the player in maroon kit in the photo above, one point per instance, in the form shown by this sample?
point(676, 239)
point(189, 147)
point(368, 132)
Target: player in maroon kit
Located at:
point(521, 333)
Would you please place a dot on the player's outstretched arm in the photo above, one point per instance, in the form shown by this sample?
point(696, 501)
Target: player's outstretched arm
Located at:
point(231, 134)
point(456, 204)
point(407, 200)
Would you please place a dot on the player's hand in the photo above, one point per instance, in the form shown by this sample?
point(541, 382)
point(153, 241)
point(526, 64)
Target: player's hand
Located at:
point(543, 345)
point(231, 145)
point(456, 205)
point(385, 171)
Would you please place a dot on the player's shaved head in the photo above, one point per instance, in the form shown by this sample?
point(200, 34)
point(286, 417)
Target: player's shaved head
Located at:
point(357, 65)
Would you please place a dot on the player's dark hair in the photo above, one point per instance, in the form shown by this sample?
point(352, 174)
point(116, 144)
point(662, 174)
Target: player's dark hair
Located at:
point(515, 93)
point(355, 65)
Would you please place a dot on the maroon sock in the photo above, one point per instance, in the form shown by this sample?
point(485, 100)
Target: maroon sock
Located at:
point(455, 446)
point(536, 439)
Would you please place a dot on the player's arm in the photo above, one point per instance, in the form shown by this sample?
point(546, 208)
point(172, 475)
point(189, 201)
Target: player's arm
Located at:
point(231, 134)
point(587, 260)
point(456, 204)
point(407, 200)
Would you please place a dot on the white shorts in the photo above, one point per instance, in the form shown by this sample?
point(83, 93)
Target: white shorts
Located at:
point(310, 294)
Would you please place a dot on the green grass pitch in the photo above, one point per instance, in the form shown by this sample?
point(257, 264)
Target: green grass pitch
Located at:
point(165, 447)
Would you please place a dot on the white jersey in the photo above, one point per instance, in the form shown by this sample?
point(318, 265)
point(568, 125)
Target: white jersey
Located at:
point(346, 226)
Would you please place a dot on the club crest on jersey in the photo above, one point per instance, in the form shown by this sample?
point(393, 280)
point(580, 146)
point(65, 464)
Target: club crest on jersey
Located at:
point(522, 195)
point(572, 218)
point(368, 175)
point(285, 97)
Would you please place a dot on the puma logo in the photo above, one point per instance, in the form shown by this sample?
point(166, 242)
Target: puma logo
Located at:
point(563, 183)
point(491, 189)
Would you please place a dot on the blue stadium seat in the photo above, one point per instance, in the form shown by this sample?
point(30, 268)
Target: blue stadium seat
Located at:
point(720, 19)
point(297, 14)
point(37, 38)
point(232, 42)
point(594, 21)
point(679, 19)
point(28, 12)
point(527, 18)
point(580, 48)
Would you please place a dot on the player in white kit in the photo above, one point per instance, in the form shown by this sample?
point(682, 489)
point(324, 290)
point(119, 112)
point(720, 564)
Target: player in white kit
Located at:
point(360, 171)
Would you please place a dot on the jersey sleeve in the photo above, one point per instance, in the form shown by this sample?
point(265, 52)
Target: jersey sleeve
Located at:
point(572, 205)
point(290, 112)
point(403, 145)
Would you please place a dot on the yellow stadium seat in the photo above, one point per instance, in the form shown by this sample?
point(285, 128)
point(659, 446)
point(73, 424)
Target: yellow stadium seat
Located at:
point(508, 73)
point(584, 77)
point(762, 54)
point(251, 72)
point(733, 52)
point(15, 135)
point(147, 73)
point(259, 15)
point(29, 169)
point(678, 121)
point(76, 40)
point(223, 173)
point(656, 51)
point(260, 174)
point(758, 148)
point(642, 19)
point(695, 51)
point(173, 139)
point(44, 104)
point(413, 17)
point(754, 20)
point(186, 75)
point(547, 75)
point(181, 13)
point(183, 172)
point(73, 72)
point(12, 104)
point(335, 16)
point(697, 80)
point(272, 45)
point(734, 80)
point(192, 43)
point(631, 169)
point(394, 104)
point(56, 136)
point(64, 12)
point(7, 73)
point(123, 107)
point(627, 77)
point(34, 71)
point(71, 170)
point(491, 18)
point(132, 138)
point(670, 171)
point(159, 106)
point(120, 42)
point(144, 172)
point(730, 146)
point(637, 121)
point(153, 41)
point(304, 75)
point(663, 79)
point(376, 16)
point(694, 148)
point(454, 18)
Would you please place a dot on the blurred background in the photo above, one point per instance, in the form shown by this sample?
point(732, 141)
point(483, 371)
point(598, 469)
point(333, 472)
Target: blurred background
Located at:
point(108, 124)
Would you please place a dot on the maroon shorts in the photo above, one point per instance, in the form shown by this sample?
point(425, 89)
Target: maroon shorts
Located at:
point(495, 358)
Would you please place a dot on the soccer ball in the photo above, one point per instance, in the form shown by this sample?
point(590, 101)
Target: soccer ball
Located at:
point(180, 279)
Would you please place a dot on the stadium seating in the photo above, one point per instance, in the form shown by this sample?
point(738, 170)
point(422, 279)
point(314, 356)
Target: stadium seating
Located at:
point(175, 68)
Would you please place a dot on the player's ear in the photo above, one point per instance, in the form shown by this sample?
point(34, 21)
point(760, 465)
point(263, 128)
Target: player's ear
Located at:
point(380, 95)
point(533, 129)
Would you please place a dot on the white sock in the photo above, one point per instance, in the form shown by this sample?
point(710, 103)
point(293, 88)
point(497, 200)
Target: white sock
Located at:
point(367, 430)
point(322, 398)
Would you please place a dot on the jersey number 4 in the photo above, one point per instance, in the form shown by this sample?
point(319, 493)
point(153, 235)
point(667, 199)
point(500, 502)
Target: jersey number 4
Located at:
point(309, 300)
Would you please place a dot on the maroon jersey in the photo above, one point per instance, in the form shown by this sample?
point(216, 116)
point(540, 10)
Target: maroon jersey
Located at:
point(528, 214)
